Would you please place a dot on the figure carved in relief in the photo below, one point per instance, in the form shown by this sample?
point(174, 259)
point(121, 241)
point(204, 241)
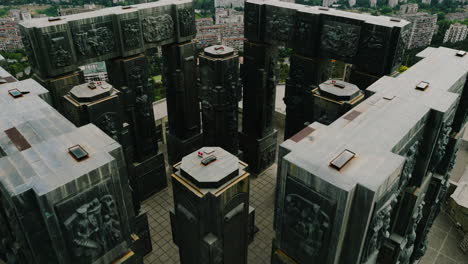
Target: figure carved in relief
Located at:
point(94, 229)
point(340, 38)
point(279, 26)
point(158, 28)
point(108, 124)
point(406, 253)
point(442, 142)
point(379, 229)
point(187, 21)
point(142, 102)
point(373, 40)
point(411, 158)
point(132, 34)
point(59, 56)
point(94, 41)
point(307, 220)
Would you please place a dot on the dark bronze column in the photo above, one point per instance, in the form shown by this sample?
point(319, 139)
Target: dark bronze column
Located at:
point(305, 74)
point(220, 94)
point(258, 137)
point(180, 79)
point(130, 76)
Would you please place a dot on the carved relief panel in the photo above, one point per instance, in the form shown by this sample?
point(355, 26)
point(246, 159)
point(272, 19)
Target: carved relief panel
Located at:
point(379, 229)
point(13, 248)
point(339, 40)
point(279, 25)
point(94, 40)
point(59, 50)
point(307, 223)
point(306, 30)
point(442, 142)
point(157, 28)
point(252, 21)
point(131, 31)
point(90, 223)
point(109, 122)
point(372, 54)
point(402, 45)
point(411, 158)
point(186, 18)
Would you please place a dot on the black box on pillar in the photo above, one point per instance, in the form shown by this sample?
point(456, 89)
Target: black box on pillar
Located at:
point(211, 197)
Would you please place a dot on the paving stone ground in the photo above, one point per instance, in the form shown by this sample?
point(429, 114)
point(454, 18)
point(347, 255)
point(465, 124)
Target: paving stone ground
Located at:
point(444, 239)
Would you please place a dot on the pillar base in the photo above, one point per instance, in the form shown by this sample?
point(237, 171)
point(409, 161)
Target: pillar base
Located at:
point(150, 176)
point(259, 153)
point(178, 148)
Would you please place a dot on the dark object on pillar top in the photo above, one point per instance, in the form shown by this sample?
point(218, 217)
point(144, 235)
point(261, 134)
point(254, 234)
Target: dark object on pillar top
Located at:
point(220, 93)
point(183, 107)
point(212, 213)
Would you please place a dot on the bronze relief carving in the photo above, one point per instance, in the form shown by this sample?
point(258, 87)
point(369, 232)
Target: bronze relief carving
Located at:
point(340, 39)
point(131, 33)
point(308, 222)
point(157, 28)
point(187, 21)
point(94, 40)
point(93, 229)
point(379, 229)
point(279, 26)
point(59, 52)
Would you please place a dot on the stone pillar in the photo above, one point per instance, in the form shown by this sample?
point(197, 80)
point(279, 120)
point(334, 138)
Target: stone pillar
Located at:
point(211, 214)
point(258, 138)
point(61, 85)
point(220, 94)
point(305, 74)
point(130, 76)
point(361, 78)
point(179, 77)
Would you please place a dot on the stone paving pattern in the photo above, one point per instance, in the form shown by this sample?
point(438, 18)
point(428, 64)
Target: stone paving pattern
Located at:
point(444, 239)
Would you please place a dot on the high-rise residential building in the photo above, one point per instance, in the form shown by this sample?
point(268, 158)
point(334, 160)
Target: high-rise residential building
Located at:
point(392, 3)
point(456, 32)
point(409, 9)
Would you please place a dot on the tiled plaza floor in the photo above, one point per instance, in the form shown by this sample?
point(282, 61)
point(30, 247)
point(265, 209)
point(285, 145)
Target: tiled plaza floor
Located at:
point(444, 239)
